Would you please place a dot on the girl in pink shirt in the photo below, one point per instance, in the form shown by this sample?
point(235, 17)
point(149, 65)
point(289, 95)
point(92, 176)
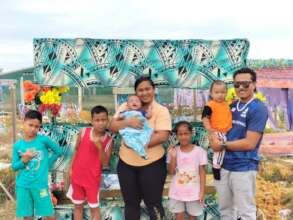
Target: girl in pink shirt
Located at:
point(187, 164)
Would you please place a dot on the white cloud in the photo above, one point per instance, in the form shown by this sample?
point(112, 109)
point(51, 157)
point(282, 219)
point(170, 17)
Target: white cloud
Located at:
point(271, 48)
point(267, 24)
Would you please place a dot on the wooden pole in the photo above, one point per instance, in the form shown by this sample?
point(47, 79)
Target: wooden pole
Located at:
point(14, 104)
point(7, 192)
point(80, 98)
point(194, 104)
point(21, 91)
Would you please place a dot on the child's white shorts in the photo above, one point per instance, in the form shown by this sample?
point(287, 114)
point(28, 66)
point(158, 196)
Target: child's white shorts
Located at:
point(193, 208)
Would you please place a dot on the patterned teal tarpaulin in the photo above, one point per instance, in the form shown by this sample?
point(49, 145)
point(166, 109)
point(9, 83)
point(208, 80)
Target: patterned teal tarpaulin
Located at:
point(175, 63)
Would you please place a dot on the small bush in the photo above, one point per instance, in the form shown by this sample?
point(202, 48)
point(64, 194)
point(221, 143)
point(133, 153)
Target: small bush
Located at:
point(287, 201)
point(7, 177)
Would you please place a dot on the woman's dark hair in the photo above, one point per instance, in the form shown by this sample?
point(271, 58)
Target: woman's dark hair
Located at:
point(182, 123)
point(142, 79)
point(244, 71)
point(98, 109)
point(33, 114)
point(217, 82)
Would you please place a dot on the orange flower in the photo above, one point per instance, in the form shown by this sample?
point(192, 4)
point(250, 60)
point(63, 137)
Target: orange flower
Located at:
point(27, 85)
point(46, 89)
point(54, 199)
point(28, 97)
point(36, 88)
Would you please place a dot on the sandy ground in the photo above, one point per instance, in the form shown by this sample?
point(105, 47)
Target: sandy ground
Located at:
point(7, 211)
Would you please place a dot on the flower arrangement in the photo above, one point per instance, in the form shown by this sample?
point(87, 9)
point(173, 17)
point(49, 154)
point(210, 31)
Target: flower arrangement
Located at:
point(30, 91)
point(45, 99)
point(231, 96)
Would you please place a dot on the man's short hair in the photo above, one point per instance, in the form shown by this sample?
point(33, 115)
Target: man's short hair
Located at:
point(244, 71)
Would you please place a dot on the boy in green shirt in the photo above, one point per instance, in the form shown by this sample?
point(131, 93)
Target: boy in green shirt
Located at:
point(32, 157)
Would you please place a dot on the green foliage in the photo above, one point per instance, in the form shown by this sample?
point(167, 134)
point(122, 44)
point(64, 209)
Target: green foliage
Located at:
point(276, 176)
point(269, 63)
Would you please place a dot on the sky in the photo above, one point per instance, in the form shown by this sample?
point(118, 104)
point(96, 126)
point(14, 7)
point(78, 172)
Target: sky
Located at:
point(268, 25)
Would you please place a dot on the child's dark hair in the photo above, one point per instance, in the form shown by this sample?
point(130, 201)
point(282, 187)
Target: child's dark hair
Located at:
point(217, 82)
point(98, 109)
point(33, 114)
point(182, 123)
point(142, 79)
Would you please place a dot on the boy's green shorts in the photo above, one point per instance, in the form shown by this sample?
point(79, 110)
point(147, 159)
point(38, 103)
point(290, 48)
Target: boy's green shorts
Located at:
point(33, 202)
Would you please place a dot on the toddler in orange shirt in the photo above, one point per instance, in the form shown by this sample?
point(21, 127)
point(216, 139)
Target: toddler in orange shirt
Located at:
point(217, 118)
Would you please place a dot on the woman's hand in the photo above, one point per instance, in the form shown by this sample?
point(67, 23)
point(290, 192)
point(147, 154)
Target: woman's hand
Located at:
point(134, 123)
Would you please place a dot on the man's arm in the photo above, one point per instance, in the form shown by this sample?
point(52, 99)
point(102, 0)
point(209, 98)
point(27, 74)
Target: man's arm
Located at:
point(255, 126)
point(246, 144)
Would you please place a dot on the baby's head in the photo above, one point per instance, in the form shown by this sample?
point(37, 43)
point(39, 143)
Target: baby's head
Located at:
point(133, 102)
point(218, 91)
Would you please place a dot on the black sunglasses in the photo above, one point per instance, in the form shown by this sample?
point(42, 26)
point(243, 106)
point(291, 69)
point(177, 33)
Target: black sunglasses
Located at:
point(244, 84)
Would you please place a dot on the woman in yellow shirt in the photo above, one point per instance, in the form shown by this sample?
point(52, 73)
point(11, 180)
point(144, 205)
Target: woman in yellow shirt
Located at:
point(139, 178)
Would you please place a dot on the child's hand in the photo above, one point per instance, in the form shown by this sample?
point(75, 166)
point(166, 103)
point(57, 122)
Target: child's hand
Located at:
point(201, 198)
point(98, 142)
point(27, 156)
point(172, 152)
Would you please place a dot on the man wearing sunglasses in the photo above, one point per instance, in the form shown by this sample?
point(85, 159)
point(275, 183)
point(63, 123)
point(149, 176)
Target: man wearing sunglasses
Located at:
point(236, 188)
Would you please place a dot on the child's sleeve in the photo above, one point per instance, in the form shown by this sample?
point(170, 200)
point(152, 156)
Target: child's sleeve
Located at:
point(206, 112)
point(55, 149)
point(17, 163)
point(144, 113)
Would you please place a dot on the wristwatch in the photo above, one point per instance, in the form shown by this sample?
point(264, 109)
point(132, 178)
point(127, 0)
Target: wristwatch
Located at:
point(224, 145)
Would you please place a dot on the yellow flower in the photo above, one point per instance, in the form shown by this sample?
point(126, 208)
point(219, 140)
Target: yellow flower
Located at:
point(51, 97)
point(260, 96)
point(64, 89)
point(231, 96)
